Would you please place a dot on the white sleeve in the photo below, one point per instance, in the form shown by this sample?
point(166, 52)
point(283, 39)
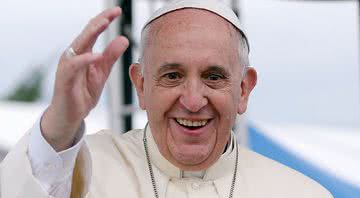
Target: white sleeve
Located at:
point(53, 170)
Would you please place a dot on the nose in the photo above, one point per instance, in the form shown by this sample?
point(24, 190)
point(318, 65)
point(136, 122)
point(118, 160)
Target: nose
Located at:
point(193, 96)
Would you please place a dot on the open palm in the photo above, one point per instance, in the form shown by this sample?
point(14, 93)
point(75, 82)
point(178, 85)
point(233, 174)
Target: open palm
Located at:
point(80, 80)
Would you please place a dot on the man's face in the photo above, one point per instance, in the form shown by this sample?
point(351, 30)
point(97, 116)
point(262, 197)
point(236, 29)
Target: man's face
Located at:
point(191, 87)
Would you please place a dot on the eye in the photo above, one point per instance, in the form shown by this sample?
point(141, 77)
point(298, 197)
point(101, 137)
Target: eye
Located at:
point(216, 80)
point(214, 77)
point(172, 76)
point(171, 79)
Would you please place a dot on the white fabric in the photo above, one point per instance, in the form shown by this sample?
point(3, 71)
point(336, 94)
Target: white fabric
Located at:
point(110, 165)
point(216, 6)
point(53, 170)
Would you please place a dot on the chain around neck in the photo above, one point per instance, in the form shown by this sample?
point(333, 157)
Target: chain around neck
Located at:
point(152, 177)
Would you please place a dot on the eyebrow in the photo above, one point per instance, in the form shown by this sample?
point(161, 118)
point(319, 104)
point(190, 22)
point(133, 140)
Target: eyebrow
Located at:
point(213, 68)
point(169, 66)
point(218, 69)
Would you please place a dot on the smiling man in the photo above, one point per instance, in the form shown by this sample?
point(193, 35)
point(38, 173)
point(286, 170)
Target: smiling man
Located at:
point(193, 84)
point(192, 79)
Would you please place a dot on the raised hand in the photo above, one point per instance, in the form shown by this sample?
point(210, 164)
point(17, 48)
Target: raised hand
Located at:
point(80, 79)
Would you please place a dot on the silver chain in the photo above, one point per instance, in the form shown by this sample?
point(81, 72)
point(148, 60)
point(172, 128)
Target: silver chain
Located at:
point(149, 165)
point(152, 173)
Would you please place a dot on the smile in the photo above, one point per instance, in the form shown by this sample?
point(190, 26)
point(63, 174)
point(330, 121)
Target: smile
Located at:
point(191, 123)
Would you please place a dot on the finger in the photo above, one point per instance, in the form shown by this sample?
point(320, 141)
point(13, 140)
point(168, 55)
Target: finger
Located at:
point(112, 52)
point(78, 62)
point(87, 38)
point(96, 81)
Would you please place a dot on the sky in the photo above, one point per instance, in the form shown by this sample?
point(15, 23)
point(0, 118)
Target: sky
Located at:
point(36, 32)
point(306, 54)
point(307, 58)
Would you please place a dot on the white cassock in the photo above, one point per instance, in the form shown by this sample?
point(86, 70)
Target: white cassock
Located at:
point(112, 166)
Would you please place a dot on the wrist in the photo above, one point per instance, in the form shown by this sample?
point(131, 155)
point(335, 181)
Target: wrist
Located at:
point(58, 132)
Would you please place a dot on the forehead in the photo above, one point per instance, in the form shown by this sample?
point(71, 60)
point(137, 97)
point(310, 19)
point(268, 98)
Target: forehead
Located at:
point(196, 31)
point(189, 17)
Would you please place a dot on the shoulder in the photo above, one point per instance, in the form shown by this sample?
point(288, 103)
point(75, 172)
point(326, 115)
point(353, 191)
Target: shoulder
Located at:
point(107, 141)
point(109, 135)
point(278, 178)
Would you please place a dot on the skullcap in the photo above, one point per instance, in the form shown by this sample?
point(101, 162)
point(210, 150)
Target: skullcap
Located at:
point(215, 6)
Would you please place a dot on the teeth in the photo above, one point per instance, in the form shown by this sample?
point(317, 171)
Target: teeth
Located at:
point(191, 123)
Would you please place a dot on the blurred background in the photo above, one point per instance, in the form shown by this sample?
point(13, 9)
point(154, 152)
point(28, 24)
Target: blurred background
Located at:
point(304, 112)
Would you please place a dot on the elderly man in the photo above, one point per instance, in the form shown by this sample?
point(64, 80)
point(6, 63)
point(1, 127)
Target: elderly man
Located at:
point(193, 78)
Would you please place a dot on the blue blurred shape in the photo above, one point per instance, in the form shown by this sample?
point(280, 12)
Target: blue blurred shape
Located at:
point(261, 144)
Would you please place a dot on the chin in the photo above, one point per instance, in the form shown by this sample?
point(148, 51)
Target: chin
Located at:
point(191, 157)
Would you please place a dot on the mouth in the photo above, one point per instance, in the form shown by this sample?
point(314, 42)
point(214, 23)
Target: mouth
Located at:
point(192, 124)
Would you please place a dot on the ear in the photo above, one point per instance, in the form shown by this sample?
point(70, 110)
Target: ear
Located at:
point(247, 85)
point(137, 80)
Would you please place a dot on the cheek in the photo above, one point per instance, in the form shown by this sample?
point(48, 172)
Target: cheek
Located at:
point(226, 104)
point(159, 101)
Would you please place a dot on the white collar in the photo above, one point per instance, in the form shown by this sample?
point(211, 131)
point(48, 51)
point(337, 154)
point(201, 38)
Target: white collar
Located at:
point(222, 167)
